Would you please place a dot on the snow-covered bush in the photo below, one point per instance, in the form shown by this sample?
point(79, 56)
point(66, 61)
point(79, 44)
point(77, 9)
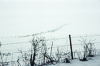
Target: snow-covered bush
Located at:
point(58, 54)
point(88, 49)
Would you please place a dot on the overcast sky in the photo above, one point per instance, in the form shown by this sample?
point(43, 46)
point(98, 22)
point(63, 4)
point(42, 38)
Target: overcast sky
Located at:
point(25, 17)
point(29, 17)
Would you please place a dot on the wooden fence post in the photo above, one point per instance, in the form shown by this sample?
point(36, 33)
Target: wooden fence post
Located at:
point(71, 46)
point(51, 50)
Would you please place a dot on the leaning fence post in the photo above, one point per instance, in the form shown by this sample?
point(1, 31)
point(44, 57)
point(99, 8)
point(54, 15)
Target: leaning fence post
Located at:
point(71, 47)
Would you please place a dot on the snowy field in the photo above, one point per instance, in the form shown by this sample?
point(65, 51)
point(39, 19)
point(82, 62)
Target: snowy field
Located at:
point(94, 61)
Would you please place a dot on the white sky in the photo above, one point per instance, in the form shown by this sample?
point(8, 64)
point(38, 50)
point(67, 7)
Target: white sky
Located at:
point(25, 17)
point(29, 17)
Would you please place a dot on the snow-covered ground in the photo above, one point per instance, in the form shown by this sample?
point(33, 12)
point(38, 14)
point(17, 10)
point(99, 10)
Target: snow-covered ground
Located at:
point(93, 61)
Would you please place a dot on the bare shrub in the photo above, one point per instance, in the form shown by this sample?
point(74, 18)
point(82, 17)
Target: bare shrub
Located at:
point(88, 47)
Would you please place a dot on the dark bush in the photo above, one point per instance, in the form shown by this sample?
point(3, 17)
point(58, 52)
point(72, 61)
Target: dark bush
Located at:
point(84, 59)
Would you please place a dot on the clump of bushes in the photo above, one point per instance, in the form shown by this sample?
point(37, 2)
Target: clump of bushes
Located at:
point(88, 49)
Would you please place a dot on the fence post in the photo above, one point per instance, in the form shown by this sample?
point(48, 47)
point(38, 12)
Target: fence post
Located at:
point(71, 46)
point(0, 48)
point(51, 49)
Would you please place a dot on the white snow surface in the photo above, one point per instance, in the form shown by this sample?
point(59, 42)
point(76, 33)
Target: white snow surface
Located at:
point(93, 61)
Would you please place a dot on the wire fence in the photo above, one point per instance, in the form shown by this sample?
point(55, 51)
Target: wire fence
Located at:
point(61, 44)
